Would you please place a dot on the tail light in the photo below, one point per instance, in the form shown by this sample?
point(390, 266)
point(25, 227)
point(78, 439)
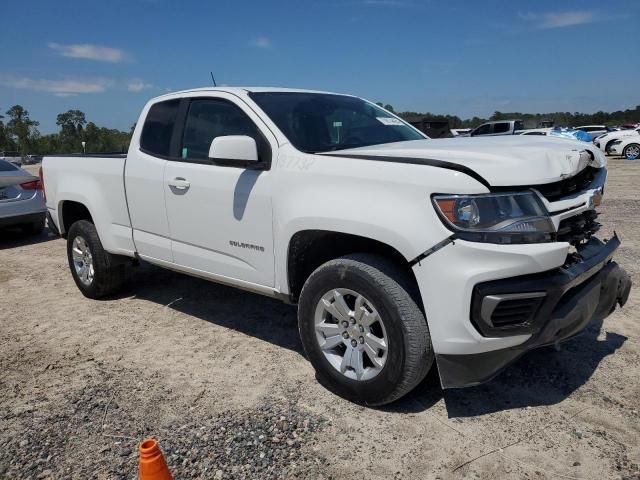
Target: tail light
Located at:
point(35, 185)
point(41, 175)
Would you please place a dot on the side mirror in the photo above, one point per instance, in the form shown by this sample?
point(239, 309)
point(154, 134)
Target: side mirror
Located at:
point(239, 148)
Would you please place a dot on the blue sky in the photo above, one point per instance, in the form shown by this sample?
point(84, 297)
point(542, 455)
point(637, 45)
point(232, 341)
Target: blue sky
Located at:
point(467, 58)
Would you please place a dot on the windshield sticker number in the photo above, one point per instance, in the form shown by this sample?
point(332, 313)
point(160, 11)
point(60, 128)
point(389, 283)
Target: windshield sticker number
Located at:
point(389, 121)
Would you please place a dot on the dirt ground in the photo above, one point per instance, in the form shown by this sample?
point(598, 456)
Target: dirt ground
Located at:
point(205, 368)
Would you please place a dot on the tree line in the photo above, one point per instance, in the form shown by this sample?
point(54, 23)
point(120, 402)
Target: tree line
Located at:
point(531, 120)
point(18, 132)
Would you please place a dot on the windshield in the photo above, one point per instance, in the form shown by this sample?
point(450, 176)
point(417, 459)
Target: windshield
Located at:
point(319, 122)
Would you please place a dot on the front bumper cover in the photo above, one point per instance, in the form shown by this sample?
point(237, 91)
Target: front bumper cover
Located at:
point(574, 295)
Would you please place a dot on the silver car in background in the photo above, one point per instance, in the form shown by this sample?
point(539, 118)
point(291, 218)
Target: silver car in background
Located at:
point(21, 199)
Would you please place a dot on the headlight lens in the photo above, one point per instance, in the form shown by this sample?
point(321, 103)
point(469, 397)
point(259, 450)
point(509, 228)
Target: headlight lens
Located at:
point(518, 217)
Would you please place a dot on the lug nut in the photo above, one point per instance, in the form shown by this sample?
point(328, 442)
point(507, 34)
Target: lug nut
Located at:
point(353, 320)
point(345, 335)
point(361, 339)
point(345, 324)
point(354, 343)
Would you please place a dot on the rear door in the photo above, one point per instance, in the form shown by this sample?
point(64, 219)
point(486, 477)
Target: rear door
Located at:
point(144, 181)
point(220, 215)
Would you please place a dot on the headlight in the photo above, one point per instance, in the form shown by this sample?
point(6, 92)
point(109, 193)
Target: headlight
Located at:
point(518, 217)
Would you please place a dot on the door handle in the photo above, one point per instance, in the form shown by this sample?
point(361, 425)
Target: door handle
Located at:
point(179, 183)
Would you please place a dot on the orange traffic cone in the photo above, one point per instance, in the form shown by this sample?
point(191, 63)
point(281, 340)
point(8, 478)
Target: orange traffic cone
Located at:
point(152, 464)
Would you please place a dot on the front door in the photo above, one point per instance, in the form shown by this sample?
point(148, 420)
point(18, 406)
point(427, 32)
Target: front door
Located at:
point(220, 215)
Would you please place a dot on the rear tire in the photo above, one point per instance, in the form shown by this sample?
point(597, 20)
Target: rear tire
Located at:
point(34, 228)
point(104, 273)
point(390, 294)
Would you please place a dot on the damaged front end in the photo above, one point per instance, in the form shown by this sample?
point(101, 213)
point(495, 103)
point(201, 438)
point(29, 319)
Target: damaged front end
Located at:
point(551, 307)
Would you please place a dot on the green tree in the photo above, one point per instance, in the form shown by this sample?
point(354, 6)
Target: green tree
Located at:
point(4, 140)
point(71, 124)
point(20, 128)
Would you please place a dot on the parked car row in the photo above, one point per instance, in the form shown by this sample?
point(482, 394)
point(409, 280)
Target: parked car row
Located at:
point(623, 140)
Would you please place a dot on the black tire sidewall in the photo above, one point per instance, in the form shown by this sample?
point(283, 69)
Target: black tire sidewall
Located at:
point(369, 391)
point(102, 281)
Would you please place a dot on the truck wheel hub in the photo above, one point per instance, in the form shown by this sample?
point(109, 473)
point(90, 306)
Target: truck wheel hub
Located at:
point(82, 261)
point(351, 334)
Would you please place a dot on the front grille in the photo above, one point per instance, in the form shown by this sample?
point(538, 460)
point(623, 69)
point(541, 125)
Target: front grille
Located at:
point(514, 312)
point(556, 190)
point(578, 228)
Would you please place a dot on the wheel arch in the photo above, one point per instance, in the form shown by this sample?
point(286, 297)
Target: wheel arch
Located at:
point(308, 249)
point(70, 211)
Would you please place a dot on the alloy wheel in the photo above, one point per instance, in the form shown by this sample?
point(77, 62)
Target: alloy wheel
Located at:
point(351, 334)
point(82, 261)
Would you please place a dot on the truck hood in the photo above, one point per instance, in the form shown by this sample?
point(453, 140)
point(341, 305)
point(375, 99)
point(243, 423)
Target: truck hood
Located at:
point(512, 160)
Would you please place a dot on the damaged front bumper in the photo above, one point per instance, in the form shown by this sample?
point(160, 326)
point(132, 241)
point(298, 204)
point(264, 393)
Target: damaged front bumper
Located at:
point(547, 307)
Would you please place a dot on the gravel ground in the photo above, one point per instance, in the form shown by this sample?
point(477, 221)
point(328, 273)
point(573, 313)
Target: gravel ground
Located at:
point(217, 375)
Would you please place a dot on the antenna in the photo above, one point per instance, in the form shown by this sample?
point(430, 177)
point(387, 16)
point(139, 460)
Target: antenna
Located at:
point(213, 80)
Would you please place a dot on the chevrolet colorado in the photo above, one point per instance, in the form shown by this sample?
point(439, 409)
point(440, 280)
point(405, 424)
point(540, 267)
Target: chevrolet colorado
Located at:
point(400, 251)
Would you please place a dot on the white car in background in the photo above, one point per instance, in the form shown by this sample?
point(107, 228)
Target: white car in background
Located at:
point(593, 130)
point(606, 140)
point(628, 147)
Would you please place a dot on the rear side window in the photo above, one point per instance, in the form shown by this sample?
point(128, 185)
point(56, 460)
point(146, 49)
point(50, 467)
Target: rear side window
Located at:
point(211, 118)
point(500, 127)
point(158, 128)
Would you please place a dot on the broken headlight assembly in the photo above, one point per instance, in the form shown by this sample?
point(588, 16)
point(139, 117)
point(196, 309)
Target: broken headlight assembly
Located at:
point(504, 218)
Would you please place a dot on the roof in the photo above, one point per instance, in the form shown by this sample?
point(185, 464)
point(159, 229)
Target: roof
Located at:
point(244, 90)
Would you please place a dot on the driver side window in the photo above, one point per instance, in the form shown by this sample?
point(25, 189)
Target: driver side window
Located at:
point(210, 118)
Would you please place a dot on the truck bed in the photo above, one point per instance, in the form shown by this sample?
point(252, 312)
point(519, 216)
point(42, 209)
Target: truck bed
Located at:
point(94, 180)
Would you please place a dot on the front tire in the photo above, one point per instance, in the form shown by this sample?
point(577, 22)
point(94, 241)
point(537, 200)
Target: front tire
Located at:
point(97, 273)
point(607, 148)
point(631, 151)
point(362, 329)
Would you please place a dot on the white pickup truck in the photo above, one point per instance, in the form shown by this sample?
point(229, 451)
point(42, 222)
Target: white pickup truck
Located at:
point(399, 250)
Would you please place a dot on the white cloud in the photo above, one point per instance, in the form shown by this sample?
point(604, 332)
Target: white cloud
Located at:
point(138, 86)
point(90, 52)
point(61, 88)
point(558, 19)
point(261, 42)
